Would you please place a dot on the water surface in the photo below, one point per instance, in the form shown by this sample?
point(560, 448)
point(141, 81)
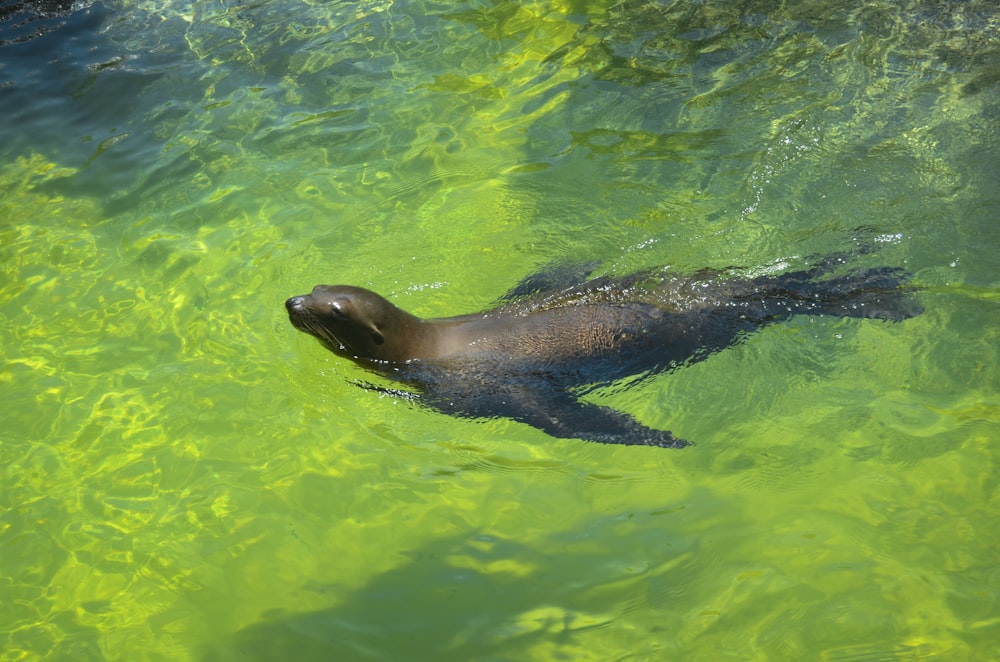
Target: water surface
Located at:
point(186, 477)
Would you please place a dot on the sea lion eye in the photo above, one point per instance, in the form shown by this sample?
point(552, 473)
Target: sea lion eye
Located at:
point(338, 310)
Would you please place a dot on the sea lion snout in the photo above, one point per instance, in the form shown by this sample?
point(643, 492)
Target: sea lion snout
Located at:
point(298, 311)
point(294, 304)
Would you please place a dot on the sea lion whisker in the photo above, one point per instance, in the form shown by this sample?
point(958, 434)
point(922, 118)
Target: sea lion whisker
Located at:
point(323, 333)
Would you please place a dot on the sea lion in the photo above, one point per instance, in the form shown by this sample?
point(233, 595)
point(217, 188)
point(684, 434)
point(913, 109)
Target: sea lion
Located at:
point(553, 337)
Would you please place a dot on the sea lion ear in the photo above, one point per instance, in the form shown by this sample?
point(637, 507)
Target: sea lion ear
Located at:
point(377, 336)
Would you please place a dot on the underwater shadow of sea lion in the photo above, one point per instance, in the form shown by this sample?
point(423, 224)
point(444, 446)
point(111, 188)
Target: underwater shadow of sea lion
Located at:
point(556, 332)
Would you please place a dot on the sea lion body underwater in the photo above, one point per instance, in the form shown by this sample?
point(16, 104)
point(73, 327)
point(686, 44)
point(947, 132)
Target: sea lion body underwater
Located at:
point(553, 337)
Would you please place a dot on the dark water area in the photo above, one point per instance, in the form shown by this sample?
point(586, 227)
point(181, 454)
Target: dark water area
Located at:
point(69, 91)
point(25, 21)
point(185, 476)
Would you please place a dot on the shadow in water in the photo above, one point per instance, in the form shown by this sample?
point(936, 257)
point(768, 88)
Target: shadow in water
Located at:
point(481, 597)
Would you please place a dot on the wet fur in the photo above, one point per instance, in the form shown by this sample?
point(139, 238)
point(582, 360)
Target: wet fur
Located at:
point(557, 334)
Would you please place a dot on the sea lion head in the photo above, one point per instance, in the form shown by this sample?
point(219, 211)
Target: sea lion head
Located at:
point(354, 322)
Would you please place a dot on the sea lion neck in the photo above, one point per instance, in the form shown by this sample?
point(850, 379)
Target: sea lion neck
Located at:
point(436, 338)
point(408, 337)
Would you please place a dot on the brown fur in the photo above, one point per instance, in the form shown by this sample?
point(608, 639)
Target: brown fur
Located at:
point(523, 358)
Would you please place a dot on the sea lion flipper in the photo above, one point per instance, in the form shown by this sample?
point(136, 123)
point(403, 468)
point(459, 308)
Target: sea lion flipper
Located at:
point(875, 293)
point(551, 278)
point(561, 415)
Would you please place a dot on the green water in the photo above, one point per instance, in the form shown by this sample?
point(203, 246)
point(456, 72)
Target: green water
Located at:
point(183, 476)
